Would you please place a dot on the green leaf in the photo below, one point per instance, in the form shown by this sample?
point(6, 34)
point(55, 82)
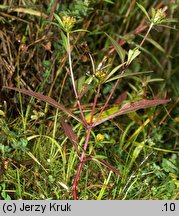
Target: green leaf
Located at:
point(137, 151)
point(157, 45)
point(153, 13)
point(80, 83)
point(106, 181)
point(132, 54)
point(99, 157)
point(28, 11)
point(79, 30)
point(2, 113)
point(168, 165)
point(3, 193)
point(169, 27)
point(59, 20)
point(127, 74)
point(113, 71)
point(143, 10)
point(65, 41)
point(4, 6)
point(109, 1)
point(170, 20)
point(155, 80)
point(119, 49)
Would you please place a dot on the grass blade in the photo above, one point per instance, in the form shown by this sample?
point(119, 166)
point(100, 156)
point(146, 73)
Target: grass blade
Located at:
point(29, 11)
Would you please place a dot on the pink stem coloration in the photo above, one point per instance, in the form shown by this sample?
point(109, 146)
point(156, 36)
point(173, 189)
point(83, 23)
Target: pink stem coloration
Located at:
point(91, 125)
point(109, 97)
point(73, 82)
point(94, 105)
point(74, 187)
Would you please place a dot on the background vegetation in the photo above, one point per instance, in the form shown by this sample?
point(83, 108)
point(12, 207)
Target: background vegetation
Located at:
point(37, 158)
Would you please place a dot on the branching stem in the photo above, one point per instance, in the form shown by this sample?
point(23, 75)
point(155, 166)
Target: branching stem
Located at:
point(73, 80)
point(91, 125)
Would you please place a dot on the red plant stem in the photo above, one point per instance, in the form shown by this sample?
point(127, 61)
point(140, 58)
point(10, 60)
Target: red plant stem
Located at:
point(73, 82)
point(108, 99)
point(117, 82)
point(82, 114)
point(94, 104)
point(74, 187)
point(92, 125)
point(150, 27)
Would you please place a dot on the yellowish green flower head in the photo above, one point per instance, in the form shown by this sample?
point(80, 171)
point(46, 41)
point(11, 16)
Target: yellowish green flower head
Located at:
point(100, 137)
point(100, 74)
point(68, 22)
point(158, 16)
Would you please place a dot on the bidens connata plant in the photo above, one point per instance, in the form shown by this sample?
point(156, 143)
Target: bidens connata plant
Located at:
point(100, 76)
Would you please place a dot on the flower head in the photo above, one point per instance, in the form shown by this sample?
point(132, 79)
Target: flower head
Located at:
point(158, 16)
point(68, 22)
point(100, 137)
point(100, 74)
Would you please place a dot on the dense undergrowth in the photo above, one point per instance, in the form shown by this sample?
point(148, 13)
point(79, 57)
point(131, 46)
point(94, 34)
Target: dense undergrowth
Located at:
point(131, 156)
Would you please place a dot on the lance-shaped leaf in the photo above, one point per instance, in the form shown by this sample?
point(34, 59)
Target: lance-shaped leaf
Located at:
point(65, 42)
point(127, 108)
point(144, 10)
point(127, 75)
point(119, 49)
point(59, 20)
point(113, 71)
point(46, 99)
point(70, 134)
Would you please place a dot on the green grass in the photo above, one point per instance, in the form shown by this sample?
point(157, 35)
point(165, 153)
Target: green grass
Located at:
point(37, 156)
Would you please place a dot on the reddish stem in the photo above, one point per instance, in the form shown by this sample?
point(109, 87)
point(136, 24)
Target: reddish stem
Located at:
point(74, 187)
point(123, 71)
point(91, 125)
point(108, 99)
point(73, 81)
point(94, 105)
